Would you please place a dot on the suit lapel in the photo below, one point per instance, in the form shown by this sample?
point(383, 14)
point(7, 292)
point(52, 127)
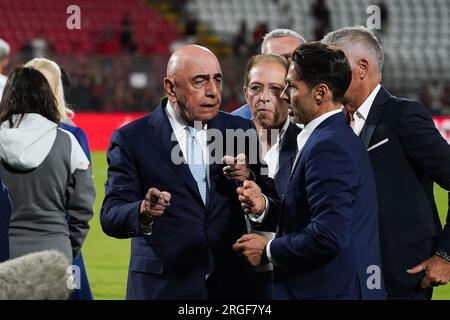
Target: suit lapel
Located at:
point(374, 116)
point(215, 169)
point(335, 120)
point(287, 157)
point(160, 135)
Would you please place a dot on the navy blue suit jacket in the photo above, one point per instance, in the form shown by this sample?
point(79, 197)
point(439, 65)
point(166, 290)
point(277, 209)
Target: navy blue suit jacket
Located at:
point(327, 235)
point(287, 153)
point(286, 158)
point(405, 167)
point(81, 137)
point(172, 262)
point(5, 216)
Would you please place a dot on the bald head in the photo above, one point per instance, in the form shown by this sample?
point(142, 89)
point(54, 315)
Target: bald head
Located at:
point(187, 56)
point(194, 83)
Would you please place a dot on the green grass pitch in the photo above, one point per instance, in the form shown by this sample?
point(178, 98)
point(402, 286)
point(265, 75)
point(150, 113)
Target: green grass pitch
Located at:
point(107, 258)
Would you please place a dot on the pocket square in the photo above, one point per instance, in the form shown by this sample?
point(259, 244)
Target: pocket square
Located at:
point(376, 145)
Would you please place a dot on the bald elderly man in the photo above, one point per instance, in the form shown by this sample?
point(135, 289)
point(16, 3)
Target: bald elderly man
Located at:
point(178, 203)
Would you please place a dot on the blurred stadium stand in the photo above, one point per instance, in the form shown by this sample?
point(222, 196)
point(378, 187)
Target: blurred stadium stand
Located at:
point(415, 37)
point(22, 20)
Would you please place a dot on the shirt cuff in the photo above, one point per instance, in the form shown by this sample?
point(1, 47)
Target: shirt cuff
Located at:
point(269, 255)
point(260, 218)
point(146, 229)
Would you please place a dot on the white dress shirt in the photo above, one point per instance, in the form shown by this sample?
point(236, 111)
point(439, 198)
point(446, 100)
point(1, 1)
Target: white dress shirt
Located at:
point(179, 125)
point(273, 154)
point(360, 116)
point(304, 135)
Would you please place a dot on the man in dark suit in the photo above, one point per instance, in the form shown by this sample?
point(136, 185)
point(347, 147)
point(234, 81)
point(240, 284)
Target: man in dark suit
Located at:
point(5, 215)
point(179, 207)
point(264, 80)
point(278, 41)
point(407, 154)
point(326, 244)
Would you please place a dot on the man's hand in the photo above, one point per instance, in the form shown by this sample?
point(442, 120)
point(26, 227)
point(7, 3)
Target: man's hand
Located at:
point(437, 271)
point(252, 246)
point(154, 204)
point(251, 198)
point(236, 168)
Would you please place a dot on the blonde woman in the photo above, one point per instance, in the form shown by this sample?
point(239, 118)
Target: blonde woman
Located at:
point(52, 72)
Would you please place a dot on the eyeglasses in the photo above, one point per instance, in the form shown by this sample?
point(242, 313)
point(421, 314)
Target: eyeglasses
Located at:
point(257, 90)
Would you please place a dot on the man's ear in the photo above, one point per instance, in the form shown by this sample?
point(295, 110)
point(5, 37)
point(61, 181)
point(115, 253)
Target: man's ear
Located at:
point(245, 89)
point(169, 87)
point(321, 92)
point(363, 68)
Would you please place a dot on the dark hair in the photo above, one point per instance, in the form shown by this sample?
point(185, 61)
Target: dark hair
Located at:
point(317, 62)
point(263, 57)
point(27, 91)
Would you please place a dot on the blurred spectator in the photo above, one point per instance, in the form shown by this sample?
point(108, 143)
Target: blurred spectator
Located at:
point(82, 93)
point(26, 51)
point(384, 12)
point(40, 47)
point(191, 27)
point(108, 43)
point(288, 15)
point(258, 34)
point(321, 14)
point(240, 41)
point(446, 98)
point(4, 60)
point(127, 42)
point(435, 91)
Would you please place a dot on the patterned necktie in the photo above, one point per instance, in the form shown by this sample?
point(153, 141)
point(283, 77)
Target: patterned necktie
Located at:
point(196, 163)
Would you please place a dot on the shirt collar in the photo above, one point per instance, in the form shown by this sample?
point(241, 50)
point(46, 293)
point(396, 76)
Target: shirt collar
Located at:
point(176, 120)
point(315, 122)
point(364, 109)
point(309, 128)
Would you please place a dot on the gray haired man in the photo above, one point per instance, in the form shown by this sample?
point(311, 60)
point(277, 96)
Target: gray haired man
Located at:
point(407, 154)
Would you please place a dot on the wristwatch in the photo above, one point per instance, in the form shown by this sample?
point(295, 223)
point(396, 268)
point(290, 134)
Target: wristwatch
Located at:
point(442, 254)
point(147, 229)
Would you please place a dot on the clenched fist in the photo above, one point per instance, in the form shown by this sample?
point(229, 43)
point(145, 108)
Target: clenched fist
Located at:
point(237, 168)
point(251, 198)
point(154, 204)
